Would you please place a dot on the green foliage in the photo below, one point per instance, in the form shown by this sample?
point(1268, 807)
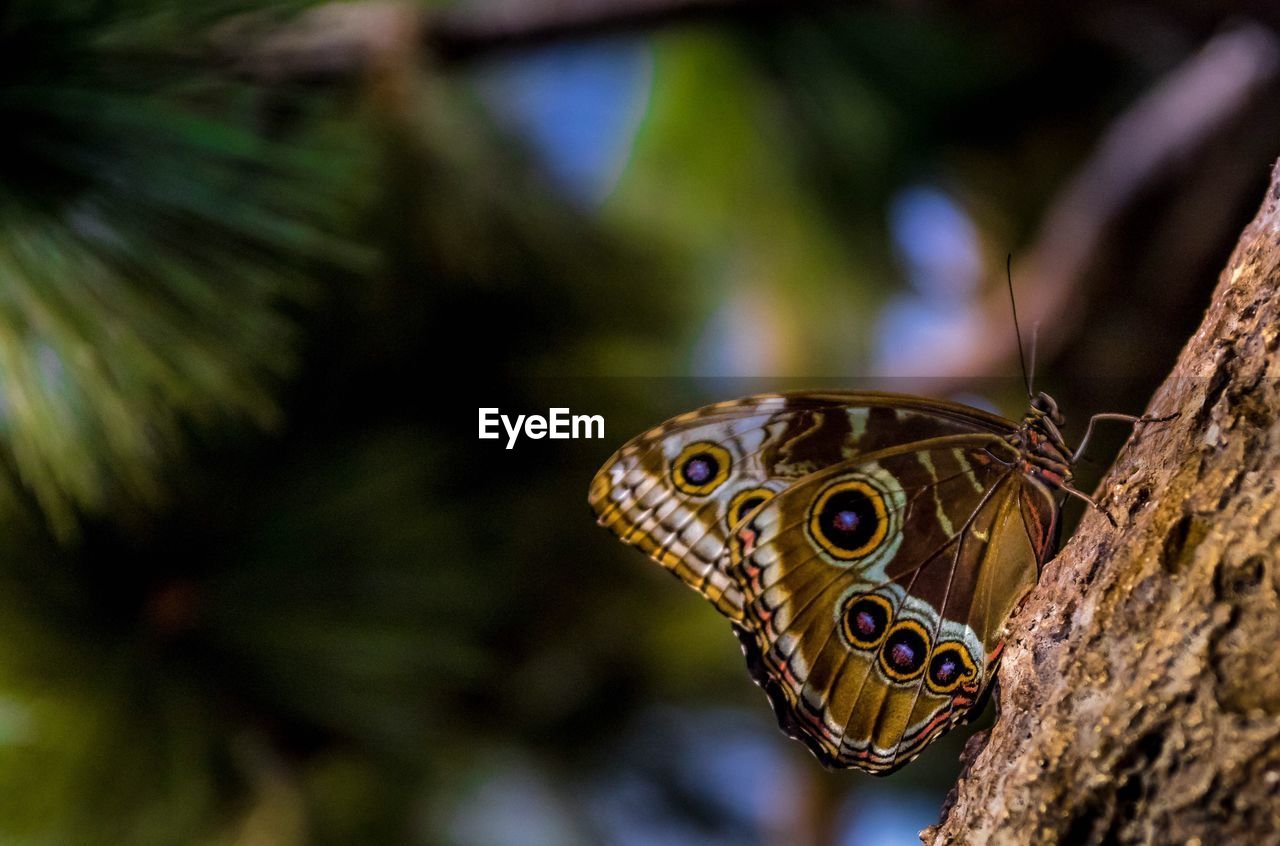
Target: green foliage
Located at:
point(155, 238)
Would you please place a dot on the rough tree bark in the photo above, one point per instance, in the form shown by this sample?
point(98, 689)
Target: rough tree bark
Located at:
point(1140, 695)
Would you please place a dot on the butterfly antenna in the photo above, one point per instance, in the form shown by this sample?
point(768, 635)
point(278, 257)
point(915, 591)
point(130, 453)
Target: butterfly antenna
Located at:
point(1035, 339)
point(1013, 305)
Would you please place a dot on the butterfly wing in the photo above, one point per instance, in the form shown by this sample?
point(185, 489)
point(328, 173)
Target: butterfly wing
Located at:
point(678, 491)
point(875, 592)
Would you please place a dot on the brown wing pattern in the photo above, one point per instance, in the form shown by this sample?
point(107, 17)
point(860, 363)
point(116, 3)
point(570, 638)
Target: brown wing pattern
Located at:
point(676, 491)
point(869, 549)
point(868, 657)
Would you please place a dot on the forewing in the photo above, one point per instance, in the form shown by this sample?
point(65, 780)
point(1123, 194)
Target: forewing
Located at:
point(678, 491)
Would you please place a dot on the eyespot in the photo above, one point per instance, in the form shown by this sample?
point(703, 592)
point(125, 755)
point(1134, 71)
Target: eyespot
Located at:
point(950, 667)
point(903, 655)
point(864, 619)
point(700, 468)
point(744, 502)
point(848, 519)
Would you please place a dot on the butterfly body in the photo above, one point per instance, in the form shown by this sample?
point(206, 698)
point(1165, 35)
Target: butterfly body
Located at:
point(867, 547)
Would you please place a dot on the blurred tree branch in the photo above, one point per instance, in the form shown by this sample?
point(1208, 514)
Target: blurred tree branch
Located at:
point(340, 40)
point(1165, 166)
point(1138, 698)
point(1164, 190)
point(500, 26)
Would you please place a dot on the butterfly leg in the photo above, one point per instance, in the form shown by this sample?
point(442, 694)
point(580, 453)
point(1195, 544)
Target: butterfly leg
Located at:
point(1092, 502)
point(1127, 418)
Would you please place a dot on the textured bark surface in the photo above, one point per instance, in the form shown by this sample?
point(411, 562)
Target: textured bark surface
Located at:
point(1140, 695)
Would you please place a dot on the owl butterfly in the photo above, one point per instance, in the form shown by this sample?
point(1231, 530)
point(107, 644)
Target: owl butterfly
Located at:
point(867, 547)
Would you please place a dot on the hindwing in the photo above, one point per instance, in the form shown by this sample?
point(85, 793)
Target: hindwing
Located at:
point(875, 593)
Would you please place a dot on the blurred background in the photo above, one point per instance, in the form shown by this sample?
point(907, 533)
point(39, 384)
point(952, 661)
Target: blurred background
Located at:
point(260, 583)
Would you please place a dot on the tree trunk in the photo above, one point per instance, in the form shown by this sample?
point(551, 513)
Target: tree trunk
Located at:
point(1140, 693)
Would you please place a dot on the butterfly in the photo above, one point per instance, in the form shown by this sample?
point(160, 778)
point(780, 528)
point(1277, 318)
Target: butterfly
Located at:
point(867, 547)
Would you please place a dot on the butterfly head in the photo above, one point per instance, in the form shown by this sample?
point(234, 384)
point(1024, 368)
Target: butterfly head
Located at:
point(1043, 405)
